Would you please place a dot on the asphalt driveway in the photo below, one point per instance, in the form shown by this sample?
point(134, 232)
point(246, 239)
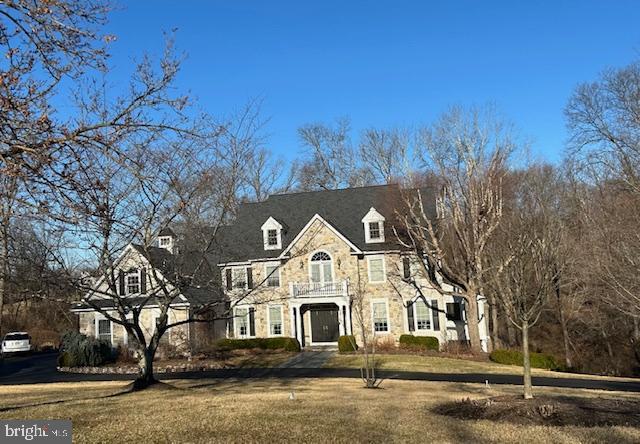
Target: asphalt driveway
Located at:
point(41, 368)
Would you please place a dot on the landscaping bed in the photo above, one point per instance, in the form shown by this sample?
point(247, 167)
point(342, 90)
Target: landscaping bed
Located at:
point(546, 410)
point(246, 358)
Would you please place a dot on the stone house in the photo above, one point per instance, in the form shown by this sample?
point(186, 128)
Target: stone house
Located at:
point(309, 265)
point(297, 264)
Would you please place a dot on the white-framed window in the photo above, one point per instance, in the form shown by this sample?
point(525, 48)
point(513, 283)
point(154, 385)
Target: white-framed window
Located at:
point(164, 241)
point(239, 277)
point(380, 316)
point(374, 231)
point(373, 223)
point(104, 330)
point(242, 322)
point(133, 282)
point(376, 268)
point(272, 237)
point(423, 315)
point(272, 274)
point(275, 320)
point(272, 234)
point(320, 268)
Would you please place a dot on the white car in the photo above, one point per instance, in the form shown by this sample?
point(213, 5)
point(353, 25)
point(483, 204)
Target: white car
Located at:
point(17, 341)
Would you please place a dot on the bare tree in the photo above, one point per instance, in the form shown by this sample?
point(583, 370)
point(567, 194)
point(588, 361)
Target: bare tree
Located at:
point(332, 161)
point(604, 120)
point(524, 257)
point(468, 151)
point(363, 317)
point(386, 154)
point(267, 175)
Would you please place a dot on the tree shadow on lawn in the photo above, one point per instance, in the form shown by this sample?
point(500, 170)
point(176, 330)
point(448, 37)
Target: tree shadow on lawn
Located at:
point(547, 410)
point(234, 385)
point(128, 389)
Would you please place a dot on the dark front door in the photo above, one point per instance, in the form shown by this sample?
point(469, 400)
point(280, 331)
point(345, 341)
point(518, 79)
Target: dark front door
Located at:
point(324, 324)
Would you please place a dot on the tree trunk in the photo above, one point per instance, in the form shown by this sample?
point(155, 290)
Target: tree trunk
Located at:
point(145, 363)
point(471, 307)
point(563, 326)
point(528, 390)
point(4, 268)
point(512, 335)
point(494, 330)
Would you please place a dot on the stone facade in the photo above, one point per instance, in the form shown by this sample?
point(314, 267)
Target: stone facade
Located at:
point(346, 267)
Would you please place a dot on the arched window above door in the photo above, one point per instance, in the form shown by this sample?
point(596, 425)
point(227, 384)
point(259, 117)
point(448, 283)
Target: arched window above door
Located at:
point(321, 268)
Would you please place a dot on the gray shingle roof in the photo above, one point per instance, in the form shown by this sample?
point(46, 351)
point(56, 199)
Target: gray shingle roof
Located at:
point(343, 209)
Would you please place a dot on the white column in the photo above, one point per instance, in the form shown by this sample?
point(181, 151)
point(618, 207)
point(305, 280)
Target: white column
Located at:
point(292, 319)
point(299, 326)
point(342, 318)
point(349, 331)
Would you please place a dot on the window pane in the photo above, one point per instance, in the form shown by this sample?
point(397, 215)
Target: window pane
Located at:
point(327, 272)
point(273, 276)
point(315, 273)
point(272, 237)
point(423, 318)
point(374, 230)
point(376, 269)
point(275, 319)
point(133, 283)
point(104, 330)
point(238, 277)
point(380, 321)
point(242, 321)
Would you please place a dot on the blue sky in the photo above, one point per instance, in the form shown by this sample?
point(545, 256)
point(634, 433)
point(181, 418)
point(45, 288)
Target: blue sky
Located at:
point(385, 63)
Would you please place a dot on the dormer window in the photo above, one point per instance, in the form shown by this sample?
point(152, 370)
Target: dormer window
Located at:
point(373, 223)
point(166, 239)
point(272, 234)
point(272, 238)
point(374, 230)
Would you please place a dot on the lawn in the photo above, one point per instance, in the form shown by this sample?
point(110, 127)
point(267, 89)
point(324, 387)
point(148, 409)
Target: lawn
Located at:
point(323, 410)
point(435, 364)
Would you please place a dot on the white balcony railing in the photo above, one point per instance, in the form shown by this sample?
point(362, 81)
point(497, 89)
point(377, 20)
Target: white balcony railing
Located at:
point(318, 289)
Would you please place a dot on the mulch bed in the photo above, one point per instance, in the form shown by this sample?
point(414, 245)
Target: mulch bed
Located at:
point(546, 410)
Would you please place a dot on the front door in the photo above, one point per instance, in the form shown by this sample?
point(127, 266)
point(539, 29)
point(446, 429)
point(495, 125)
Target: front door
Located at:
point(324, 324)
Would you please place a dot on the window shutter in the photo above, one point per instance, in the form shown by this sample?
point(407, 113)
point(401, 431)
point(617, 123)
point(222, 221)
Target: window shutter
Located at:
point(249, 278)
point(229, 279)
point(436, 315)
point(406, 267)
point(410, 318)
point(143, 280)
point(121, 289)
point(252, 321)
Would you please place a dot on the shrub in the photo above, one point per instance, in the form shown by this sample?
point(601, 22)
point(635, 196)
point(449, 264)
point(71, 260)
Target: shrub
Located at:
point(78, 350)
point(282, 343)
point(514, 357)
point(347, 344)
point(419, 342)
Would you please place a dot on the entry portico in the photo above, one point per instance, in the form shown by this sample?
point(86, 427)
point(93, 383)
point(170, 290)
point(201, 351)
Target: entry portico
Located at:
point(319, 311)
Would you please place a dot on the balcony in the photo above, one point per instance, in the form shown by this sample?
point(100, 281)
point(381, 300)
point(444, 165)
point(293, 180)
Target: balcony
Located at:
point(318, 289)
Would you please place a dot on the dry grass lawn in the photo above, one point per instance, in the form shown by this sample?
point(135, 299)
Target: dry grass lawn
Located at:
point(435, 364)
point(324, 410)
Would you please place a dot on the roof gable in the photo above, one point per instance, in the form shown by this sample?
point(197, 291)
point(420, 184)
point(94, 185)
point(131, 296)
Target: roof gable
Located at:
point(318, 218)
point(342, 209)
